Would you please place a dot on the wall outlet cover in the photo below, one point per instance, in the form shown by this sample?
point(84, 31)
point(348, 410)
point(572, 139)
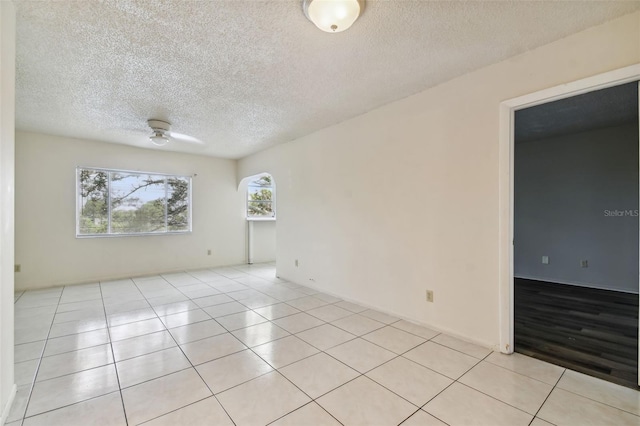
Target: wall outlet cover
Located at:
point(429, 295)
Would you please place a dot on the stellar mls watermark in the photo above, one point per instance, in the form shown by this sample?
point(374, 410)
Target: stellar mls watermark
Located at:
point(621, 213)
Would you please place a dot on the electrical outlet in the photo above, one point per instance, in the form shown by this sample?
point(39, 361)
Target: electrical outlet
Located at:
point(296, 262)
point(545, 260)
point(209, 252)
point(584, 263)
point(429, 295)
point(17, 268)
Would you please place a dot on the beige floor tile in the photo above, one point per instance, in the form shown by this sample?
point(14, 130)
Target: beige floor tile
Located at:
point(527, 366)
point(539, 422)
point(151, 399)
point(441, 359)
point(379, 316)
point(75, 327)
point(395, 340)
point(319, 374)
point(142, 345)
point(309, 415)
point(515, 389)
point(608, 393)
point(185, 318)
point(217, 299)
point(357, 324)
point(418, 330)
point(76, 341)
point(364, 402)
point(422, 418)
point(211, 348)
point(351, 306)
point(262, 400)
point(134, 329)
point(329, 313)
point(81, 305)
point(327, 297)
point(259, 334)
point(298, 322)
point(224, 373)
point(174, 308)
point(306, 303)
point(129, 317)
point(147, 367)
point(284, 351)
point(205, 412)
point(31, 334)
point(461, 405)
point(256, 302)
point(276, 311)
point(325, 337)
point(197, 331)
point(566, 408)
point(241, 320)
point(72, 362)
point(132, 305)
point(101, 411)
point(77, 387)
point(224, 309)
point(361, 355)
point(25, 372)
point(462, 346)
point(413, 382)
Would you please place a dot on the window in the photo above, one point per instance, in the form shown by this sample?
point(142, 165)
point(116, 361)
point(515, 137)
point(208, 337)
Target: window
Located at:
point(116, 202)
point(260, 198)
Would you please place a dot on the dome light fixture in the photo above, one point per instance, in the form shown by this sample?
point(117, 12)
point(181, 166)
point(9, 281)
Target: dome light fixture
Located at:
point(333, 16)
point(158, 139)
point(160, 129)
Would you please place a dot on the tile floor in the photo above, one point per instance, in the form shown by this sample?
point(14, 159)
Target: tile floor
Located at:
point(238, 346)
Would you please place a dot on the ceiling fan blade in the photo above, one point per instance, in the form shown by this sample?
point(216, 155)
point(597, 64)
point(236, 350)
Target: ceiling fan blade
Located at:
point(185, 138)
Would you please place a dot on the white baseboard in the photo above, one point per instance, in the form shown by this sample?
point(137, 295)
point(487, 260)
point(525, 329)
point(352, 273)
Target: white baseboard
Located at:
point(7, 407)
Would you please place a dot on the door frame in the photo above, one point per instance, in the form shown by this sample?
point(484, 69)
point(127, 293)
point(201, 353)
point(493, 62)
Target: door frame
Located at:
point(506, 179)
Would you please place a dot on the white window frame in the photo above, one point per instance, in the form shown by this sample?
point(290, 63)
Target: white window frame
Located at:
point(130, 234)
point(273, 200)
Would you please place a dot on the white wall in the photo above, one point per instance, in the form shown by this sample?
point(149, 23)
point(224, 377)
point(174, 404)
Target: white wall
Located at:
point(263, 241)
point(564, 187)
point(7, 153)
point(46, 246)
point(404, 198)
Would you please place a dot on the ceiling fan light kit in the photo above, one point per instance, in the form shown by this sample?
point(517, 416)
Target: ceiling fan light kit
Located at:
point(160, 130)
point(333, 16)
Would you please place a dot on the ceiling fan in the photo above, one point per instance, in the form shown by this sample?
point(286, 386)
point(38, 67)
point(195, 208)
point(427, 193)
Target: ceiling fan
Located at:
point(162, 133)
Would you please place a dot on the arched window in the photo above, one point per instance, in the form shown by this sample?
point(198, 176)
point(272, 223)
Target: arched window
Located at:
point(261, 200)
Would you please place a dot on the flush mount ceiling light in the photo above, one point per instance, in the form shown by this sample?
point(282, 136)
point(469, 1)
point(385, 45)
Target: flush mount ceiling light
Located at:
point(333, 16)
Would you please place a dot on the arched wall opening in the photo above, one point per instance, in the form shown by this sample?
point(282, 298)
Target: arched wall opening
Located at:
point(260, 213)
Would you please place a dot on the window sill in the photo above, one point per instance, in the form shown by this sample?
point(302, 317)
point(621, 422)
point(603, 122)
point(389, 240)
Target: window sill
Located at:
point(261, 219)
point(139, 234)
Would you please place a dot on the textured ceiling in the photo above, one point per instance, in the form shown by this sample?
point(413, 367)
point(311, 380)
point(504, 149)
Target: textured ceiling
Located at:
point(245, 75)
point(614, 106)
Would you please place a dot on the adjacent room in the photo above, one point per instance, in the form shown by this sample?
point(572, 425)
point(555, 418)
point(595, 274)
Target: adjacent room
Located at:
point(576, 232)
point(309, 212)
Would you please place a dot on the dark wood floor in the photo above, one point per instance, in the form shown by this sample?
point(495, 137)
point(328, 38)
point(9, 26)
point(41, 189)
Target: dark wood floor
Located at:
point(587, 330)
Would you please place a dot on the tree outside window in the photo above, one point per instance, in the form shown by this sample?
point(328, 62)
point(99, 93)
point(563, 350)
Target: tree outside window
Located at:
point(260, 198)
point(122, 203)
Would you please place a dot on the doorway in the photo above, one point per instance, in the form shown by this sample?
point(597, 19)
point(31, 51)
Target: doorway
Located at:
point(260, 213)
point(534, 278)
